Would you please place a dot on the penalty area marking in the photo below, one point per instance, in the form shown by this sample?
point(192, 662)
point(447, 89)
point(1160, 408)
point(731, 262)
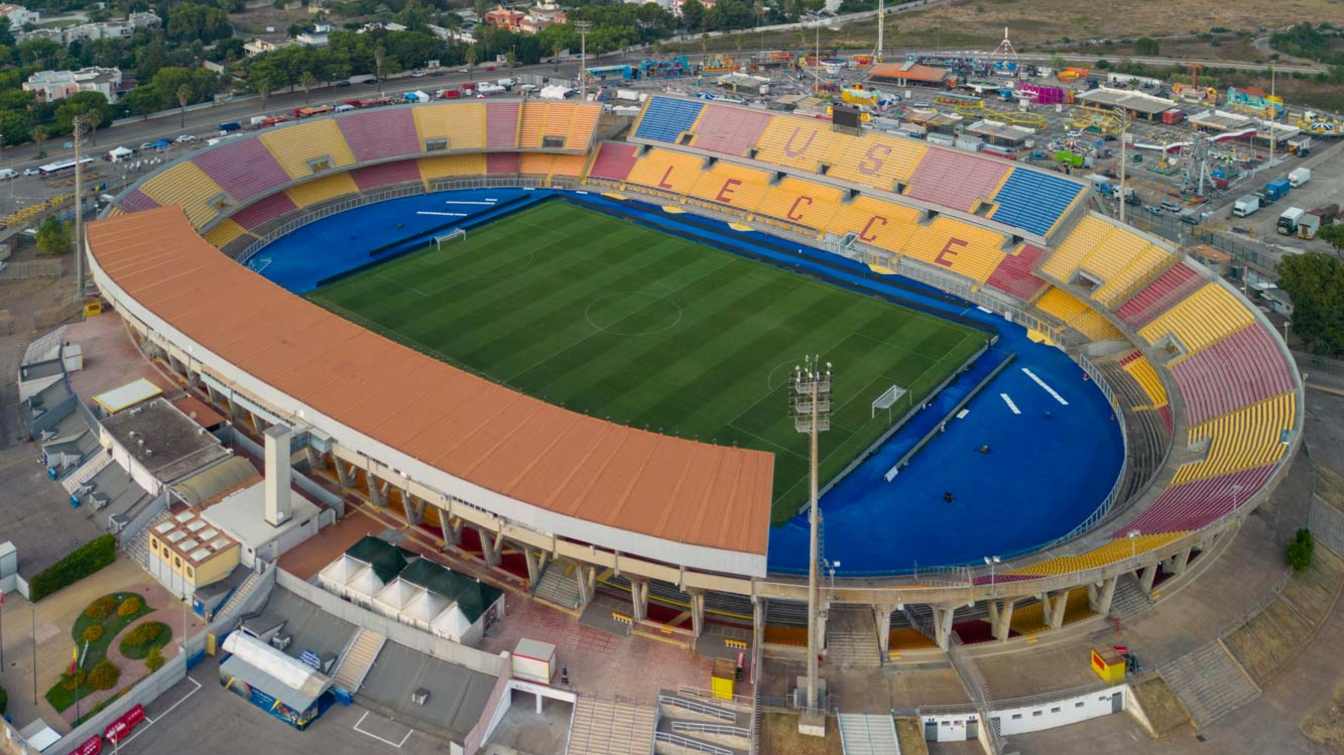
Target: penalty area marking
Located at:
point(1043, 385)
point(384, 740)
point(1009, 401)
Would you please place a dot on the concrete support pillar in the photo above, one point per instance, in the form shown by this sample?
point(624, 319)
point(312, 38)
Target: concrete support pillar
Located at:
point(1001, 618)
point(1054, 609)
point(1177, 563)
point(758, 611)
point(491, 545)
point(1099, 597)
point(210, 394)
point(587, 579)
point(345, 474)
point(452, 529)
point(377, 490)
point(882, 618)
point(414, 508)
point(536, 565)
point(314, 459)
point(1147, 575)
point(942, 625)
point(252, 420)
point(639, 598)
point(697, 611)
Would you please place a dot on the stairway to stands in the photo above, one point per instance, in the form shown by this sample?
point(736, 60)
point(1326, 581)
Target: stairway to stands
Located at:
point(851, 638)
point(357, 659)
point(1129, 600)
point(1209, 682)
point(138, 547)
point(557, 587)
point(868, 734)
point(240, 596)
point(692, 721)
point(604, 727)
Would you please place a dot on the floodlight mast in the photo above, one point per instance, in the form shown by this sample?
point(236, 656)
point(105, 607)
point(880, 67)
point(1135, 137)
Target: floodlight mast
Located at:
point(811, 401)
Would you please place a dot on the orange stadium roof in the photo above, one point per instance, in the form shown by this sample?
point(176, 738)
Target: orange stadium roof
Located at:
point(543, 455)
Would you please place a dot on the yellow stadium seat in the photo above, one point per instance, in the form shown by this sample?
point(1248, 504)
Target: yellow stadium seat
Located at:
point(1249, 437)
point(1113, 255)
point(461, 126)
point(876, 160)
point(1072, 311)
point(732, 185)
point(225, 232)
point(1111, 552)
point(568, 165)
point(664, 170)
point(1087, 235)
point(802, 202)
point(322, 190)
point(1143, 373)
point(963, 248)
point(795, 141)
point(582, 126)
point(451, 166)
point(1201, 319)
point(877, 223)
point(188, 187)
point(1151, 262)
point(308, 148)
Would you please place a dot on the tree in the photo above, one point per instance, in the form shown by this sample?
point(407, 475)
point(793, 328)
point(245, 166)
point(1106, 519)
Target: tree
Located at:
point(143, 100)
point(1301, 550)
point(183, 97)
point(1146, 46)
point(39, 136)
point(1315, 282)
point(265, 77)
point(693, 15)
point(378, 55)
point(54, 236)
point(92, 107)
point(307, 81)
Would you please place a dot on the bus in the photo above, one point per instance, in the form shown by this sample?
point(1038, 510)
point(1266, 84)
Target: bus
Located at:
point(61, 167)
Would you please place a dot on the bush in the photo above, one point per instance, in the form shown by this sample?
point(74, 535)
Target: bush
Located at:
point(131, 606)
point(154, 661)
point(4, 700)
point(93, 633)
point(74, 681)
point(101, 608)
point(1301, 550)
point(78, 564)
point(104, 675)
point(145, 637)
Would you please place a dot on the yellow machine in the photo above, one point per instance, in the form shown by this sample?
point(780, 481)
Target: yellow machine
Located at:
point(857, 95)
point(1109, 665)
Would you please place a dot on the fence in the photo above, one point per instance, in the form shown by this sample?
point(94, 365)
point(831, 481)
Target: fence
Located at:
point(27, 269)
point(402, 634)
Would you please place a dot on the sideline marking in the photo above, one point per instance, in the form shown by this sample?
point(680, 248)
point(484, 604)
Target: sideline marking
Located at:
point(409, 732)
point(445, 214)
point(1009, 401)
point(463, 201)
point(151, 721)
point(1047, 388)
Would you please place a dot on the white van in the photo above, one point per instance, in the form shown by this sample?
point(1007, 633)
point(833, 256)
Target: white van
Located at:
point(8, 173)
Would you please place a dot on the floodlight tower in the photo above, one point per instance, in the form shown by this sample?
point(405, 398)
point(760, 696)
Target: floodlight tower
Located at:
point(811, 402)
point(583, 27)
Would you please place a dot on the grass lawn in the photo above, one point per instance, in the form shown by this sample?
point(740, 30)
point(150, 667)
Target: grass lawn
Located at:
point(616, 320)
point(61, 696)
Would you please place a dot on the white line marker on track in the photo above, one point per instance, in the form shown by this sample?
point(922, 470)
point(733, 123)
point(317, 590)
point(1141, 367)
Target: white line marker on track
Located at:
point(409, 732)
point(454, 201)
point(445, 214)
point(1009, 401)
point(1047, 388)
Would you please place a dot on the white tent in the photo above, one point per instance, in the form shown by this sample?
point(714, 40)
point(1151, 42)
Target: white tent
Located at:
point(363, 586)
point(450, 624)
point(422, 609)
point(393, 598)
point(119, 153)
point(337, 574)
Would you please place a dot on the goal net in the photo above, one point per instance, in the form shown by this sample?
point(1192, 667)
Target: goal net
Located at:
point(457, 233)
point(886, 400)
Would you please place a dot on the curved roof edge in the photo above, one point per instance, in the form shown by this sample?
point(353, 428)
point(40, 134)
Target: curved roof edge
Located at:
point(536, 464)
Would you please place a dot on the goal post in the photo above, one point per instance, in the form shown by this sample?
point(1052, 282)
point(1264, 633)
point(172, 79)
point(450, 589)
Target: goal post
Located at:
point(456, 233)
point(886, 400)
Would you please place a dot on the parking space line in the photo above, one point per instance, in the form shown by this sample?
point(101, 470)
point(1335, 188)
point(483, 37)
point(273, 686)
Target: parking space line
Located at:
point(151, 721)
point(409, 732)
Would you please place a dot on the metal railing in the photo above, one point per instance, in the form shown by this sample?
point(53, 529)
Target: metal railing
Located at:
point(975, 684)
point(704, 709)
point(667, 737)
point(726, 730)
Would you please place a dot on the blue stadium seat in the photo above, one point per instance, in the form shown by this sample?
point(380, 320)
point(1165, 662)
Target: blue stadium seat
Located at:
point(666, 118)
point(1033, 201)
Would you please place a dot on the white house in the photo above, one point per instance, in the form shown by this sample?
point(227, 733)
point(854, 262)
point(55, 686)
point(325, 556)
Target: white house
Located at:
point(18, 15)
point(57, 85)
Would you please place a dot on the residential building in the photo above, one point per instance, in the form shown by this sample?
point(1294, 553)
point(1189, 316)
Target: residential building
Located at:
point(57, 85)
point(18, 15)
point(258, 46)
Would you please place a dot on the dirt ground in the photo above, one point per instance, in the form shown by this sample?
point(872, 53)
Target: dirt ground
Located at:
point(1325, 726)
point(779, 733)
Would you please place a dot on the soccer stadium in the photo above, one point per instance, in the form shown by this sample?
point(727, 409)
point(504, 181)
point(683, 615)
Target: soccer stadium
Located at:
point(570, 343)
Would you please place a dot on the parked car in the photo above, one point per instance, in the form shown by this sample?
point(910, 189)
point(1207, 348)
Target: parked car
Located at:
point(185, 138)
point(31, 172)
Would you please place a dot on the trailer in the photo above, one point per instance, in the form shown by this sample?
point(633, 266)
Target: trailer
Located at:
point(1288, 220)
point(1245, 205)
point(1276, 190)
point(1299, 176)
point(1314, 220)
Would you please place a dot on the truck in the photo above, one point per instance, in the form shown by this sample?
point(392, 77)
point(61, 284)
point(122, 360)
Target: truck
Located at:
point(1276, 190)
point(1288, 220)
point(1245, 205)
point(229, 127)
point(308, 112)
point(1299, 176)
point(1314, 220)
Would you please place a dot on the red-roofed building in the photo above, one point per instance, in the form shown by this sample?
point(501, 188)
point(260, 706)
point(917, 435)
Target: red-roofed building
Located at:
point(913, 74)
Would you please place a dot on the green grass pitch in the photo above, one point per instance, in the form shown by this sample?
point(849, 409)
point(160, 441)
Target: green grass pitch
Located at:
point(616, 320)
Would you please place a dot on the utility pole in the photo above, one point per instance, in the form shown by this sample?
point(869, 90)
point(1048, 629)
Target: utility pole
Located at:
point(1124, 159)
point(79, 211)
point(583, 28)
point(881, 27)
point(811, 404)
